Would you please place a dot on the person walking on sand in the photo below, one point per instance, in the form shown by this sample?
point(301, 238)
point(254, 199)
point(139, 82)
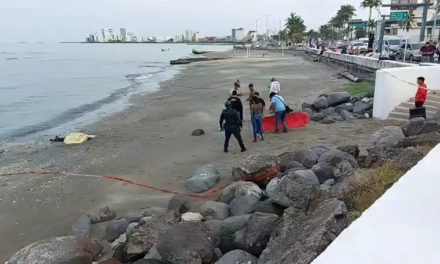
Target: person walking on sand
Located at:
point(263, 103)
point(231, 123)
point(278, 105)
point(236, 103)
point(236, 89)
point(274, 86)
point(256, 117)
point(422, 92)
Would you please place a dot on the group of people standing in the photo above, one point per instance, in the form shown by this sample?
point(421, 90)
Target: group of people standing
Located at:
point(231, 119)
point(428, 50)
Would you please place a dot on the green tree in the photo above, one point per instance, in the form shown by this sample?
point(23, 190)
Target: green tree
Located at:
point(370, 4)
point(344, 14)
point(295, 28)
point(325, 31)
point(360, 33)
point(312, 34)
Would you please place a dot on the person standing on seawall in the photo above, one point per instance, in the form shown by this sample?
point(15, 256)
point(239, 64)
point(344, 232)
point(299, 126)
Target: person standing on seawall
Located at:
point(230, 121)
point(422, 92)
point(279, 107)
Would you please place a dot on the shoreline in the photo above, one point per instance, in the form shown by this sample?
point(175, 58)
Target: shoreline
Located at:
point(133, 144)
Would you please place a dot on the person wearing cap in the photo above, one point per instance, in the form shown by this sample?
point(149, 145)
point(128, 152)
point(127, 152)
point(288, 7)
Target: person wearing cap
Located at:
point(274, 86)
point(231, 123)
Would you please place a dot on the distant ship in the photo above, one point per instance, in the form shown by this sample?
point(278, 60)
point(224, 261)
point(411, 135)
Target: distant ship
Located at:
point(165, 50)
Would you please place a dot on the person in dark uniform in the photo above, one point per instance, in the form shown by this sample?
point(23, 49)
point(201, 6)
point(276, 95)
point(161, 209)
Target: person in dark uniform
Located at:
point(230, 121)
point(236, 104)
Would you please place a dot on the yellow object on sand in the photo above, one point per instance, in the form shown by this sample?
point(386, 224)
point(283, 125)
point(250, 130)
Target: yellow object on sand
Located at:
point(76, 138)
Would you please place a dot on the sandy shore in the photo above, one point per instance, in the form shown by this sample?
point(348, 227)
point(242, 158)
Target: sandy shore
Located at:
point(151, 142)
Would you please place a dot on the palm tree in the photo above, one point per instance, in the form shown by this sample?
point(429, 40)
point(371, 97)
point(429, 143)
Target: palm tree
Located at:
point(295, 27)
point(370, 4)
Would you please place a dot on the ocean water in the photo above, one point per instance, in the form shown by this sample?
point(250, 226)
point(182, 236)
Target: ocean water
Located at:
point(48, 89)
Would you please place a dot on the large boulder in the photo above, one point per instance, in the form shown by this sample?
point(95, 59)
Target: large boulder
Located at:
point(430, 126)
point(146, 235)
point(268, 207)
point(185, 243)
point(388, 136)
point(350, 149)
point(241, 205)
point(203, 179)
point(192, 217)
point(115, 229)
point(82, 226)
point(178, 204)
point(300, 238)
point(237, 257)
point(343, 164)
point(346, 115)
point(158, 211)
point(272, 186)
point(228, 229)
point(306, 157)
point(317, 117)
point(319, 150)
point(238, 189)
point(102, 215)
point(347, 107)
point(215, 210)
point(320, 103)
point(257, 168)
point(337, 98)
point(361, 107)
point(296, 191)
point(256, 233)
point(287, 161)
point(213, 229)
point(413, 126)
point(323, 171)
point(66, 250)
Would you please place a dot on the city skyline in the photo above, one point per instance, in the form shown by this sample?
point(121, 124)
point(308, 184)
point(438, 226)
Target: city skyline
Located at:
point(62, 20)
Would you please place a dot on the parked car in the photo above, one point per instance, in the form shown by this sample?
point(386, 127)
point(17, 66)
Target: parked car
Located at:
point(357, 48)
point(393, 42)
point(412, 51)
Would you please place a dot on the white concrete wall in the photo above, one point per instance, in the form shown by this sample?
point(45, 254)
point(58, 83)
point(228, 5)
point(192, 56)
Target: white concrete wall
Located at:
point(392, 87)
point(361, 60)
point(401, 227)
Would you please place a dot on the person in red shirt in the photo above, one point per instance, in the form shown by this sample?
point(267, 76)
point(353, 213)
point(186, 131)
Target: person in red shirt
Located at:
point(421, 92)
point(427, 52)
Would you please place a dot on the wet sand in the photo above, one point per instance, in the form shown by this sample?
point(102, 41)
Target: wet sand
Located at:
point(151, 142)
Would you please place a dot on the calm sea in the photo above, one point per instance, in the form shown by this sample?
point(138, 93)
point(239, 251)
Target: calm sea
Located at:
point(48, 89)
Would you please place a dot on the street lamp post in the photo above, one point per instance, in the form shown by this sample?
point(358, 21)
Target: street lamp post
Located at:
point(267, 30)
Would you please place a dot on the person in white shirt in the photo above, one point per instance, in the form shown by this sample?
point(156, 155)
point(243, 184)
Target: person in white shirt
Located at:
point(274, 86)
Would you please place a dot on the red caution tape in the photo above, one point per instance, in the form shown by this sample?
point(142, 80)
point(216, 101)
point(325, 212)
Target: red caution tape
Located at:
point(119, 179)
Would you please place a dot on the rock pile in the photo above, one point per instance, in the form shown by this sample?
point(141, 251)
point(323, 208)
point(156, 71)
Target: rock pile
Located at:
point(290, 219)
point(340, 106)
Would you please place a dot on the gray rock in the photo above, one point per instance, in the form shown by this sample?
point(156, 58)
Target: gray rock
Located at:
point(268, 207)
point(115, 229)
point(130, 228)
point(350, 149)
point(242, 205)
point(66, 250)
point(306, 157)
point(178, 204)
point(185, 243)
point(256, 233)
point(413, 126)
point(317, 117)
point(158, 211)
point(328, 111)
point(296, 191)
point(147, 261)
point(320, 103)
point(215, 210)
point(272, 186)
point(309, 175)
point(285, 158)
point(346, 115)
point(203, 179)
point(146, 235)
point(337, 98)
point(300, 238)
point(361, 107)
point(307, 106)
point(153, 254)
point(237, 257)
point(347, 107)
point(213, 229)
point(257, 168)
point(343, 164)
point(430, 126)
point(309, 111)
point(228, 229)
point(327, 121)
point(388, 136)
point(82, 226)
point(240, 188)
point(102, 215)
point(198, 132)
point(319, 150)
point(329, 182)
point(323, 171)
point(217, 254)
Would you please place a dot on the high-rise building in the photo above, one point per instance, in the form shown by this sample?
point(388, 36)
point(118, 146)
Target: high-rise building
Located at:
point(188, 35)
point(197, 36)
point(123, 35)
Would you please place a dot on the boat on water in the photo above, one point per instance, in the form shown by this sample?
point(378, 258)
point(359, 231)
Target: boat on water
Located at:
point(196, 52)
point(165, 50)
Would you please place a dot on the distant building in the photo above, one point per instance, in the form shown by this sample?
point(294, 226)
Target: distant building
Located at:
point(197, 37)
point(211, 39)
point(179, 38)
point(238, 34)
point(123, 35)
point(252, 35)
point(188, 35)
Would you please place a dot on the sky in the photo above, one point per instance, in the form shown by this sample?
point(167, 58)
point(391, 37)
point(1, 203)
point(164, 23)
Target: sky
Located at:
point(73, 20)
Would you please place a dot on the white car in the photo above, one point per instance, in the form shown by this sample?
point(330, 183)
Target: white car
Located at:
point(412, 51)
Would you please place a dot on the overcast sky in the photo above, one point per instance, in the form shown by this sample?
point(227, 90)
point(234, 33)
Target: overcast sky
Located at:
point(72, 20)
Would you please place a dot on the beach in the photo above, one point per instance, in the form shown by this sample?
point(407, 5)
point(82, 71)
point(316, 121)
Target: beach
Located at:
point(151, 142)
